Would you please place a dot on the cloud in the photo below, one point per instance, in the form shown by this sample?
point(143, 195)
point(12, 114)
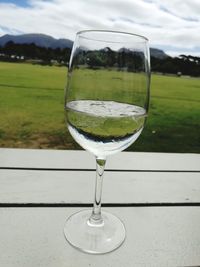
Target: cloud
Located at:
point(175, 23)
point(187, 9)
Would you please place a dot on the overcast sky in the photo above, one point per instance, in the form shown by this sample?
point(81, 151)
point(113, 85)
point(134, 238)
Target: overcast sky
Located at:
point(172, 25)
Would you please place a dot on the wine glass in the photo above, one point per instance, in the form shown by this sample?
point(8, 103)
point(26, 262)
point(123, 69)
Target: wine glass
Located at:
point(106, 104)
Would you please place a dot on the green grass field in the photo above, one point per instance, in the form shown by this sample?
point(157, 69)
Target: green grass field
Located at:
point(32, 116)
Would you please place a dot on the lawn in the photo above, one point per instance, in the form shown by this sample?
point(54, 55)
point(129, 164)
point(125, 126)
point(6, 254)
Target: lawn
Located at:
point(32, 116)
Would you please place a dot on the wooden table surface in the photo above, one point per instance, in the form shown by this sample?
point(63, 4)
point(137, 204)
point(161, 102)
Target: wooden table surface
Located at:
point(157, 195)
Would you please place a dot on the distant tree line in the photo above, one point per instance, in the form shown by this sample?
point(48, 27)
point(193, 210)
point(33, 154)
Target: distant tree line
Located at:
point(134, 62)
point(122, 59)
point(22, 52)
point(186, 65)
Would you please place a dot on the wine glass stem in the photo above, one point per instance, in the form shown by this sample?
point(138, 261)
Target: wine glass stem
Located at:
point(96, 218)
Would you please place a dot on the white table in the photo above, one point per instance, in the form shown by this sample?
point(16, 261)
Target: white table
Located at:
point(157, 196)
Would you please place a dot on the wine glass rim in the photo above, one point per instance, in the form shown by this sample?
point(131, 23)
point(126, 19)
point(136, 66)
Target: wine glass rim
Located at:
point(110, 31)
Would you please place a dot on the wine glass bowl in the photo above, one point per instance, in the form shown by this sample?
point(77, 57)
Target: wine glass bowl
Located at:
point(106, 105)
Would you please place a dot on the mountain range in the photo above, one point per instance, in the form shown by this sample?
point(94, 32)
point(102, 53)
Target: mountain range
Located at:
point(42, 40)
point(47, 41)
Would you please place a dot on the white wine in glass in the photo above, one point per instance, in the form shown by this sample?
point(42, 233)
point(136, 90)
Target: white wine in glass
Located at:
point(106, 105)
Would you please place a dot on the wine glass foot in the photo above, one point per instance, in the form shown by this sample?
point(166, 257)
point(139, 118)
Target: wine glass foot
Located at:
point(94, 238)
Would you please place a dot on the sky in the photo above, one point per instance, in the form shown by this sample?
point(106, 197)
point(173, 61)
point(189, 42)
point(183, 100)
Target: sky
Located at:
point(170, 25)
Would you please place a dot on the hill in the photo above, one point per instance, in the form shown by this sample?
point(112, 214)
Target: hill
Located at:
point(158, 53)
point(41, 40)
point(47, 41)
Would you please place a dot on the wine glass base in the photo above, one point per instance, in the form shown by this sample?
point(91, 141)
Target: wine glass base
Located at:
point(95, 239)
